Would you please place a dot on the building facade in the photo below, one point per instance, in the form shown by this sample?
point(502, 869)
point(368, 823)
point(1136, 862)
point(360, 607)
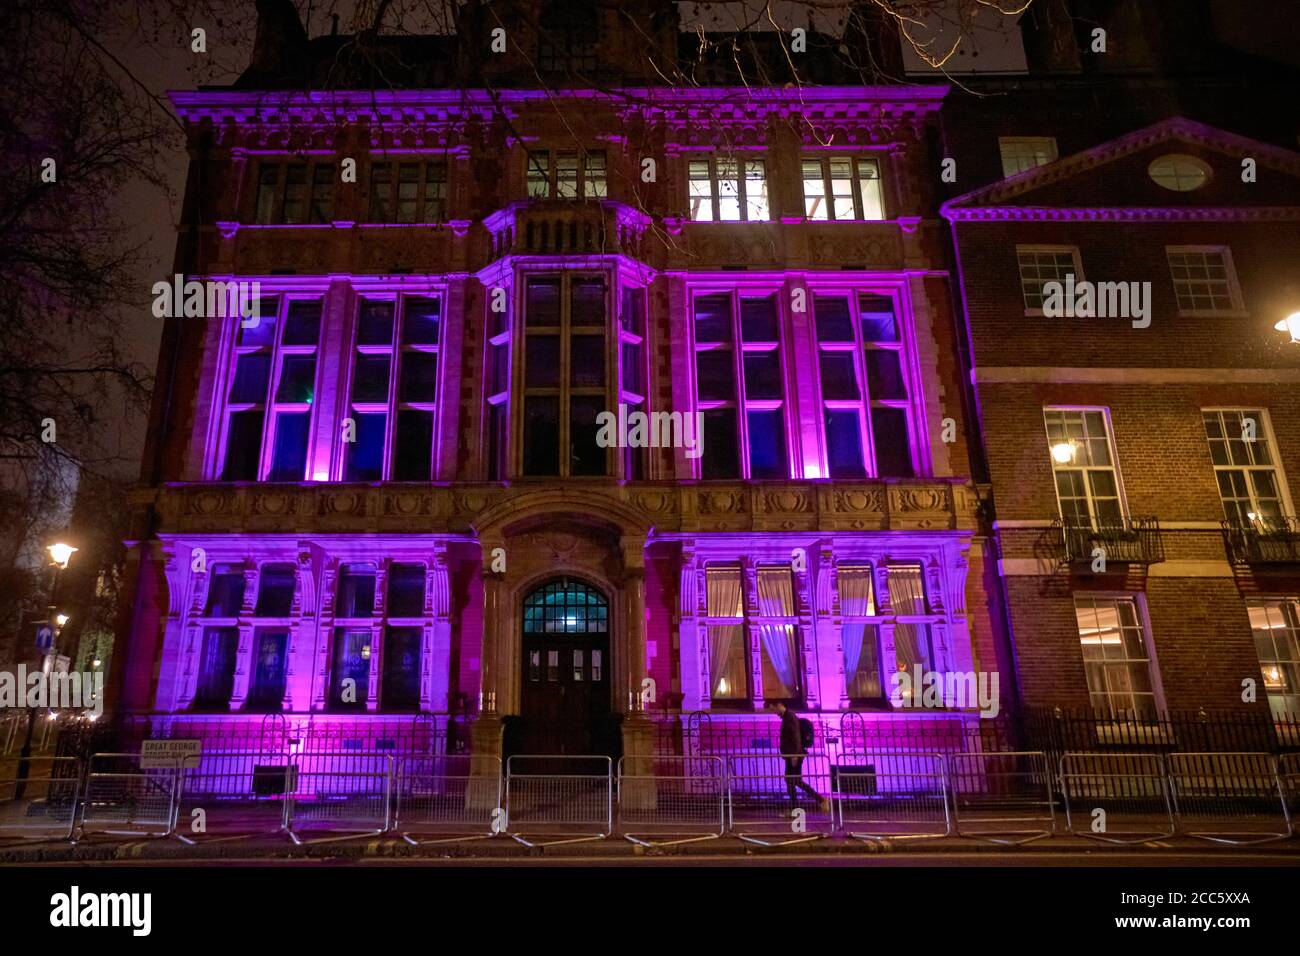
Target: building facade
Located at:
point(567, 411)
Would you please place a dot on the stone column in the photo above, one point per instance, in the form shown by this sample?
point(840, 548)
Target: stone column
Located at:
point(487, 727)
point(638, 733)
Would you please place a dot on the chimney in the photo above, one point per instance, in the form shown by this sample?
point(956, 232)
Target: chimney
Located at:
point(280, 48)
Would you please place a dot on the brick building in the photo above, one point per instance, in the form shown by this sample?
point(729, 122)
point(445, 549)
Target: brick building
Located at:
point(389, 503)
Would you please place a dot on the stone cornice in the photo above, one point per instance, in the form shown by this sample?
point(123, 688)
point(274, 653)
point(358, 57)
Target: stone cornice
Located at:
point(1123, 214)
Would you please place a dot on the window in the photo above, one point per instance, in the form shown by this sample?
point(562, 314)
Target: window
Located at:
point(1040, 265)
point(401, 683)
point(1083, 465)
point(1179, 172)
point(913, 619)
point(859, 636)
point(225, 592)
point(568, 37)
point(842, 187)
point(275, 590)
point(565, 375)
point(775, 625)
point(357, 628)
point(220, 645)
point(633, 374)
point(726, 189)
point(1245, 467)
point(408, 191)
point(1115, 658)
point(270, 649)
point(394, 390)
point(350, 678)
point(1203, 277)
point(294, 193)
point(864, 386)
point(740, 386)
point(1275, 622)
point(271, 392)
point(1025, 152)
point(567, 174)
point(355, 597)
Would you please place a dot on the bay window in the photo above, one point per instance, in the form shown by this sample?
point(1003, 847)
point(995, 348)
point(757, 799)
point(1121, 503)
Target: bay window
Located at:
point(767, 624)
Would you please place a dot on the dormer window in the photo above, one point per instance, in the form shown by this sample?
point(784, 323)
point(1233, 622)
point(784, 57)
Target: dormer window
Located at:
point(568, 38)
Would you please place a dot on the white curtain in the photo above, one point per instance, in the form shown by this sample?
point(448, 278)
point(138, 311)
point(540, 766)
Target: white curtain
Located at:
point(907, 595)
point(776, 599)
point(862, 676)
point(726, 641)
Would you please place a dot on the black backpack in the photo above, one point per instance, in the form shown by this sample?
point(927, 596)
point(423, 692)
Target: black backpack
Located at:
point(807, 733)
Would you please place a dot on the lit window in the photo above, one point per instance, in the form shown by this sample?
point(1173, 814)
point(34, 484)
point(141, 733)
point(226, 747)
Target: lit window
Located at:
point(567, 174)
point(1083, 464)
point(740, 386)
point(1245, 466)
point(1025, 152)
point(1179, 172)
point(775, 623)
point(865, 391)
point(394, 390)
point(1040, 265)
point(859, 635)
point(1203, 279)
point(728, 189)
point(1116, 659)
point(1275, 624)
point(842, 187)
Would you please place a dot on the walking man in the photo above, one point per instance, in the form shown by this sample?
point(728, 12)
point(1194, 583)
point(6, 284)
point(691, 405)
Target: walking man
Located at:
point(793, 748)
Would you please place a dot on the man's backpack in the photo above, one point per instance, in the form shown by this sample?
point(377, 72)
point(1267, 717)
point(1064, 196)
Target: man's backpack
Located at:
point(807, 733)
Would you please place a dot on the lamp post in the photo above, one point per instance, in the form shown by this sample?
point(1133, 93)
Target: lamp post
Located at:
point(60, 555)
point(1291, 326)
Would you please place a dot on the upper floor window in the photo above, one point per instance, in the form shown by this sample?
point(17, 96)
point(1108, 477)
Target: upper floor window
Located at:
point(1040, 265)
point(842, 187)
point(740, 386)
point(1245, 466)
point(1025, 152)
point(1204, 281)
point(294, 193)
point(865, 390)
point(728, 189)
point(1116, 658)
point(271, 392)
point(394, 390)
point(566, 380)
point(567, 174)
point(408, 191)
point(1179, 172)
point(1083, 464)
point(568, 37)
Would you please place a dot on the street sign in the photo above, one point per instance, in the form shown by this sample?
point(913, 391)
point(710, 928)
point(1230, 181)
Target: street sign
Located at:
point(44, 635)
point(169, 754)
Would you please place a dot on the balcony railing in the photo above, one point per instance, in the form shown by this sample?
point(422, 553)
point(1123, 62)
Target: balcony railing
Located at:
point(1263, 541)
point(1130, 541)
point(566, 227)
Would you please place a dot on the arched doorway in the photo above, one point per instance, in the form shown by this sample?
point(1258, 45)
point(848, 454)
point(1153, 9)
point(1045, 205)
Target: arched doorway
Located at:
point(565, 675)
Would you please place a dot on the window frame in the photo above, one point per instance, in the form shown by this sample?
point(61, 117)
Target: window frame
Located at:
point(1264, 600)
point(742, 160)
point(750, 620)
point(1236, 305)
point(1143, 620)
point(1114, 467)
point(857, 196)
point(393, 163)
point(584, 182)
point(1034, 248)
point(278, 191)
point(1265, 431)
point(1011, 142)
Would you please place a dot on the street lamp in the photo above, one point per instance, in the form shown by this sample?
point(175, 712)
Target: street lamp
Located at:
point(62, 553)
point(61, 619)
point(1291, 325)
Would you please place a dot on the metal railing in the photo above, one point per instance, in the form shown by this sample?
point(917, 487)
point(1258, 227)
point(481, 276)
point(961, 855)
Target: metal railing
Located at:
point(1117, 798)
point(1229, 797)
point(567, 799)
point(665, 801)
point(347, 794)
point(1264, 541)
point(43, 805)
point(1007, 798)
point(448, 799)
point(894, 796)
point(1128, 541)
point(776, 799)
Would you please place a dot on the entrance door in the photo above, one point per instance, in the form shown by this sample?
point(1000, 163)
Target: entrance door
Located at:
point(565, 698)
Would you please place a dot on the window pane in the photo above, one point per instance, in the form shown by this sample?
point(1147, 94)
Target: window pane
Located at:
point(587, 302)
point(266, 692)
point(594, 176)
point(419, 377)
point(268, 176)
point(720, 458)
point(632, 368)
point(762, 375)
point(844, 444)
point(292, 430)
point(839, 381)
point(541, 435)
point(217, 668)
point(587, 457)
point(833, 322)
point(878, 323)
point(408, 189)
point(243, 446)
point(297, 380)
point(539, 175)
point(715, 375)
point(632, 316)
point(713, 318)
point(587, 361)
point(356, 594)
point(225, 593)
point(275, 590)
point(728, 190)
point(542, 307)
point(542, 361)
point(755, 191)
point(302, 324)
point(251, 372)
point(814, 190)
point(375, 325)
point(701, 191)
point(381, 186)
point(262, 333)
point(420, 323)
point(370, 378)
point(366, 456)
point(767, 445)
point(893, 449)
point(295, 194)
point(873, 203)
point(405, 590)
point(435, 192)
point(566, 175)
point(322, 193)
point(885, 375)
point(758, 319)
point(727, 662)
point(350, 686)
point(414, 441)
point(401, 685)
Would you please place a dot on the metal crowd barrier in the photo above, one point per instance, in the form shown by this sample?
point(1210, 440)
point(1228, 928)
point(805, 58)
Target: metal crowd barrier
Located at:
point(448, 799)
point(1288, 773)
point(1232, 798)
point(344, 793)
point(569, 798)
point(1122, 798)
point(760, 808)
point(8, 733)
point(124, 799)
point(893, 796)
point(1004, 798)
point(43, 806)
point(665, 801)
point(234, 795)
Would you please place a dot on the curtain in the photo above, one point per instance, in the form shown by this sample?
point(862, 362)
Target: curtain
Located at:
point(776, 599)
point(907, 594)
point(726, 641)
point(862, 676)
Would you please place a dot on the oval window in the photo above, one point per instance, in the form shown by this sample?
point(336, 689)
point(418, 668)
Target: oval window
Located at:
point(1179, 172)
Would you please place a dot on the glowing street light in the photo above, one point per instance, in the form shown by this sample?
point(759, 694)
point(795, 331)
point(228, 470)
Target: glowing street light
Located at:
point(61, 619)
point(62, 553)
point(1291, 325)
